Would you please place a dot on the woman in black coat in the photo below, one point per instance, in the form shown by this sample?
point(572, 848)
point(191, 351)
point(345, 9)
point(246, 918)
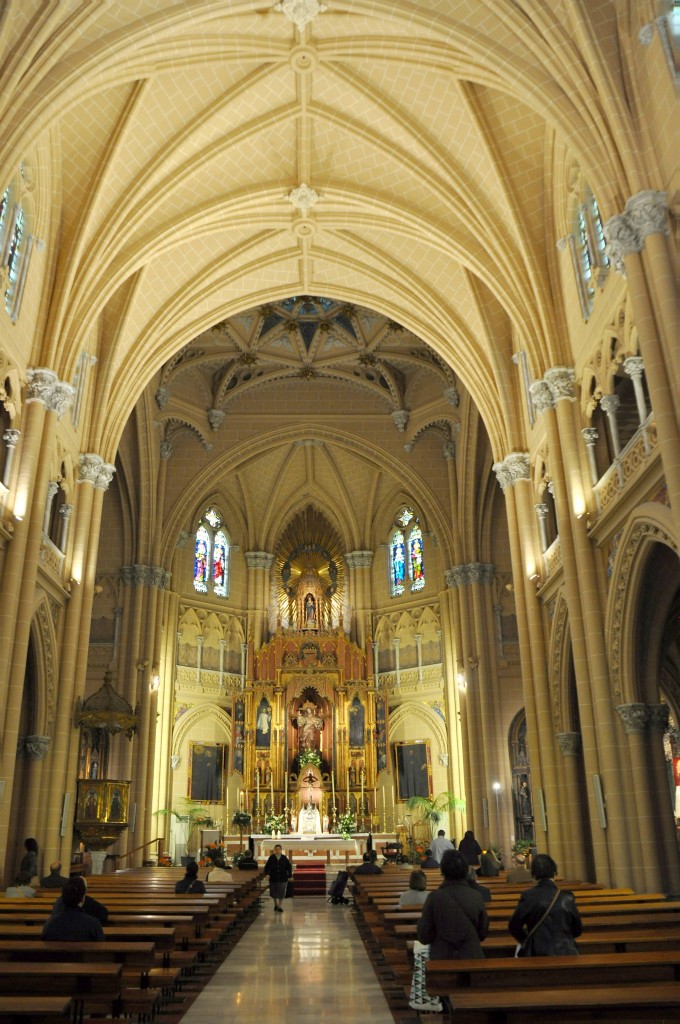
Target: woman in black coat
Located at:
point(546, 934)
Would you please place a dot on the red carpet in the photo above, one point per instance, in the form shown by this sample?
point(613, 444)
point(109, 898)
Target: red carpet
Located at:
point(310, 878)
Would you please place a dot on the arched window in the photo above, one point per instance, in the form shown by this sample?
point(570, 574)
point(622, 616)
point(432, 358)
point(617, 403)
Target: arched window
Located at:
point(406, 553)
point(13, 252)
point(211, 555)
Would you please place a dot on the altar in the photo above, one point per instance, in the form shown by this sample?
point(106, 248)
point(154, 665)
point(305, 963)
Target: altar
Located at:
point(327, 843)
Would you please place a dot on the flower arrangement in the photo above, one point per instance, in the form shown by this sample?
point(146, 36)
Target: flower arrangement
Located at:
point(212, 853)
point(275, 823)
point(347, 824)
point(310, 757)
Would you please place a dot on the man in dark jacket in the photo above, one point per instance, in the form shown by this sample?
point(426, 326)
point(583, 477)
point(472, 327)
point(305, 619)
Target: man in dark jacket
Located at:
point(454, 920)
point(546, 920)
point(55, 880)
point(368, 866)
point(278, 870)
point(72, 924)
point(429, 861)
point(90, 906)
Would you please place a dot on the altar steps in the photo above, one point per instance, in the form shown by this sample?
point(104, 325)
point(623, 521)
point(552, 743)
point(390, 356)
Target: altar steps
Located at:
point(310, 878)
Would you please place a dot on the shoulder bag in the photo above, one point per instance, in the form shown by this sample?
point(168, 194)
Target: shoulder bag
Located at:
point(522, 946)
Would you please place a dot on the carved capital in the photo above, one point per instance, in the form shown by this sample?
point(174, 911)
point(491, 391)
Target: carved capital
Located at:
point(444, 760)
point(561, 382)
point(11, 438)
point(162, 397)
point(452, 397)
point(622, 240)
point(183, 538)
point(658, 717)
point(610, 403)
point(518, 466)
point(647, 212)
point(175, 761)
point(167, 448)
point(541, 511)
point(89, 467)
point(634, 366)
point(449, 450)
point(300, 12)
point(400, 419)
point(303, 198)
point(216, 418)
point(259, 560)
point(569, 743)
point(40, 382)
point(542, 396)
point(502, 475)
point(456, 576)
point(589, 435)
point(633, 716)
point(36, 747)
point(104, 476)
point(65, 511)
point(359, 559)
point(60, 398)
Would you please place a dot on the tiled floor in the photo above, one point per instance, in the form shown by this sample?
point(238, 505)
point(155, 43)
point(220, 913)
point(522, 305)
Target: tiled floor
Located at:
point(305, 966)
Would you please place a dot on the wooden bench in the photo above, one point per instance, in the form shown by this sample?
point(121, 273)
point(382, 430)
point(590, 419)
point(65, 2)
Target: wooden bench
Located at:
point(94, 988)
point(35, 1010)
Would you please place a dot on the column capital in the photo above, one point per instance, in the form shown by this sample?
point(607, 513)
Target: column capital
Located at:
point(541, 510)
point(622, 240)
point(634, 366)
point(216, 418)
point(359, 559)
point(561, 382)
point(89, 467)
point(542, 395)
point(647, 212)
point(36, 747)
point(449, 450)
point(569, 743)
point(400, 419)
point(167, 448)
point(40, 382)
point(259, 559)
point(65, 511)
point(658, 717)
point(513, 468)
point(456, 576)
point(11, 437)
point(451, 395)
point(145, 576)
point(589, 435)
point(633, 716)
point(610, 404)
point(104, 476)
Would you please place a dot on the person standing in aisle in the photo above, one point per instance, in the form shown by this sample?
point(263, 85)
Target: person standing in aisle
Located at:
point(278, 870)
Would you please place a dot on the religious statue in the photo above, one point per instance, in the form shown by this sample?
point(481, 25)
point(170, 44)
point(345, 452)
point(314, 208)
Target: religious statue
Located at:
point(309, 723)
point(309, 822)
point(310, 611)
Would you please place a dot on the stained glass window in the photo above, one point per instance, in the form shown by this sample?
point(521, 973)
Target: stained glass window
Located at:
point(398, 562)
point(211, 555)
point(406, 553)
point(13, 259)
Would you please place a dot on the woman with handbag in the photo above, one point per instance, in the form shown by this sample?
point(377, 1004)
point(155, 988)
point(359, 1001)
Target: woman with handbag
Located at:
point(278, 870)
point(546, 921)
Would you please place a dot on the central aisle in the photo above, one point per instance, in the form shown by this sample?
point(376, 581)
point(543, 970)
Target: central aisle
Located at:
point(305, 966)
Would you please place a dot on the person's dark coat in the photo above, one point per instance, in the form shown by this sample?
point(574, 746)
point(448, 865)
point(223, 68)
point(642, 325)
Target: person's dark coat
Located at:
point(368, 868)
point(278, 870)
point(483, 890)
point(190, 884)
point(470, 849)
point(556, 935)
point(91, 907)
point(429, 862)
point(72, 925)
point(53, 881)
point(454, 922)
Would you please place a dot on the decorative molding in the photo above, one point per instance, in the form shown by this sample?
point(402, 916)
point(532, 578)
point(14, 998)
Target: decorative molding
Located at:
point(300, 12)
point(145, 576)
point(303, 198)
point(452, 397)
point(162, 397)
point(89, 467)
point(570, 743)
point(646, 34)
point(647, 212)
point(216, 418)
point(400, 419)
point(634, 717)
point(259, 559)
point(11, 438)
point(659, 715)
point(359, 559)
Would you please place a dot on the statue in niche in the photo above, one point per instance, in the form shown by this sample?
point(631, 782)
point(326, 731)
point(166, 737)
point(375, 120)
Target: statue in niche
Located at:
point(310, 723)
point(310, 611)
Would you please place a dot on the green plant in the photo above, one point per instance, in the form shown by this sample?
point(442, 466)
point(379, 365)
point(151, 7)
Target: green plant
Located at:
point(190, 816)
point(347, 824)
point(433, 811)
point(522, 847)
point(241, 819)
point(274, 823)
point(309, 757)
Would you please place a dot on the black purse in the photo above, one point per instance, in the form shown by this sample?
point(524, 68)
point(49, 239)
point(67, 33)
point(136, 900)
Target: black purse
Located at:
point(290, 889)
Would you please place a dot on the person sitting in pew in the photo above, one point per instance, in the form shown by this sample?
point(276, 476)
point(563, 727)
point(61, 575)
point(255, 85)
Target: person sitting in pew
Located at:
point(546, 921)
point(92, 907)
point(454, 921)
point(429, 861)
point(416, 894)
point(483, 890)
point(218, 872)
point(22, 886)
point(518, 874)
point(368, 866)
point(247, 861)
point(191, 883)
point(72, 924)
point(55, 880)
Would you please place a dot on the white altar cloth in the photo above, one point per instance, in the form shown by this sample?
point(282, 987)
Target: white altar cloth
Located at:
point(323, 843)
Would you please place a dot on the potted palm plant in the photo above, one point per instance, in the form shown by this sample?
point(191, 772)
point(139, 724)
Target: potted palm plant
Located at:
point(190, 817)
point(433, 811)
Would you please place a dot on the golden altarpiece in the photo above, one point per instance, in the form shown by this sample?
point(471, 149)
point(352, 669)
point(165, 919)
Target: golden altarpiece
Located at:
point(309, 729)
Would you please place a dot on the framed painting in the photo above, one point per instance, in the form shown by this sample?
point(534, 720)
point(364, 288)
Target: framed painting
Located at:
point(206, 772)
point(414, 769)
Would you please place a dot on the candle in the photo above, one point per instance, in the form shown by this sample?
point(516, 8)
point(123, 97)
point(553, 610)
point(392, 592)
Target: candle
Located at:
point(384, 809)
point(257, 790)
point(362, 790)
point(333, 787)
point(347, 808)
point(226, 815)
point(271, 789)
point(286, 785)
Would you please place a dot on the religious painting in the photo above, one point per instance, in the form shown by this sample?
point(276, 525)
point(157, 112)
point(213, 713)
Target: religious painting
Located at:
point(414, 769)
point(116, 803)
point(206, 773)
point(239, 733)
point(357, 719)
point(91, 800)
point(263, 724)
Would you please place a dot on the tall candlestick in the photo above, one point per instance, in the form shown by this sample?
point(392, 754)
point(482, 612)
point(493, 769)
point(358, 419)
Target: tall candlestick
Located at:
point(362, 791)
point(347, 808)
point(286, 784)
point(271, 789)
point(257, 790)
point(226, 815)
point(333, 788)
point(384, 810)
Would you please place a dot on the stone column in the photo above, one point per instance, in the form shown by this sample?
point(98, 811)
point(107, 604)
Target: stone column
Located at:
point(541, 514)
point(514, 477)
point(641, 230)
point(634, 367)
point(610, 404)
point(575, 840)
point(418, 637)
point(634, 718)
point(65, 513)
point(259, 563)
point(590, 436)
point(359, 563)
point(11, 439)
point(52, 489)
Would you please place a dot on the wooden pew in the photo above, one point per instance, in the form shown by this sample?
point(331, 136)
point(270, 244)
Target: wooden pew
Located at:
point(35, 1010)
point(94, 988)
